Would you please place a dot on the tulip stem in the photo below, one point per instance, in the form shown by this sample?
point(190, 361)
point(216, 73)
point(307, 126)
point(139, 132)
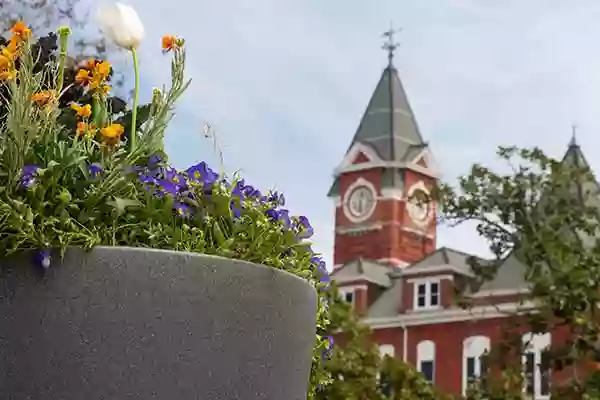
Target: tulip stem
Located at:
point(136, 94)
point(63, 33)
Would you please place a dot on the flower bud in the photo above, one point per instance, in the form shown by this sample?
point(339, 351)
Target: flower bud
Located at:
point(121, 24)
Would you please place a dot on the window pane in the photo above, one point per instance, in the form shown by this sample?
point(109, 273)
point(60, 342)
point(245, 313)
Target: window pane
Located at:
point(529, 373)
point(435, 300)
point(435, 288)
point(470, 368)
point(422, 289)
point(421, 301)
point(349, 297)
point(385, 385)
point(427, 370)
point(545, 374)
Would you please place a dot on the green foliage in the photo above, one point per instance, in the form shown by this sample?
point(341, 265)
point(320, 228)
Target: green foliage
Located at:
point(544, 212)
point(74, 182)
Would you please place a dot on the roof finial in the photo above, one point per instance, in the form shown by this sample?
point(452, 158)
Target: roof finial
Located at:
point(390, 45)
point(573, 141)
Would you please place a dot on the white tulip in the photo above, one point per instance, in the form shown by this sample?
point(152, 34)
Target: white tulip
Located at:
point(122, 25)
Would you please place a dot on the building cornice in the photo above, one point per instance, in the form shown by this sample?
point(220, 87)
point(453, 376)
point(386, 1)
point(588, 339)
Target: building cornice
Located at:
point(449, 315)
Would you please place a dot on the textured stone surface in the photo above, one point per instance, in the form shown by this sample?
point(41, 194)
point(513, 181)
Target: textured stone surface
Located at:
point(122, 323)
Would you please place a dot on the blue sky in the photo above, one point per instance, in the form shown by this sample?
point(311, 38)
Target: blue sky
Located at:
point(285, 82)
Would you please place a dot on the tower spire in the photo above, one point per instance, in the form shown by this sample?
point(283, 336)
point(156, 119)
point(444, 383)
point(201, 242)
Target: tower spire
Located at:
point(573, 141)
point(390, 45)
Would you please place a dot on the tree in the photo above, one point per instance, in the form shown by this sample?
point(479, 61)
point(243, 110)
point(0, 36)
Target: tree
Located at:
point(355, 364)
point(545, 213)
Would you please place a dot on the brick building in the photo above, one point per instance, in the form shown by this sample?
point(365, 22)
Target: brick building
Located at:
point(388, 266)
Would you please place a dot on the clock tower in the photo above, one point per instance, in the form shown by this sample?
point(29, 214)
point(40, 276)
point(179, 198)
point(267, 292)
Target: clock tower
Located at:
point(387, 168)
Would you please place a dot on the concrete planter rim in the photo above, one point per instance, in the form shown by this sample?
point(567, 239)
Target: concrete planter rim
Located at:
point(238, 261)
point(105, 322)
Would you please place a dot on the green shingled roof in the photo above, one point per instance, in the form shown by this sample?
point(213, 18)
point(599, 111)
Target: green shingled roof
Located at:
point(388, 124)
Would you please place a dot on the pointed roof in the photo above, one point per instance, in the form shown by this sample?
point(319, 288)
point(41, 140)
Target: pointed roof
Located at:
point(388, 124)
point(587, 190)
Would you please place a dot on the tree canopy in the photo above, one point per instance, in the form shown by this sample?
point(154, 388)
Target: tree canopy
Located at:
point(545, 213)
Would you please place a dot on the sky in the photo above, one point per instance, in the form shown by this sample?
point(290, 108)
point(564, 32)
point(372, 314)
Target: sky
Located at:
point(284, 84)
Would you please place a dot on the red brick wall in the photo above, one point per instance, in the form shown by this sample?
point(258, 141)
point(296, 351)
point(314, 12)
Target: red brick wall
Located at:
point(448, 339)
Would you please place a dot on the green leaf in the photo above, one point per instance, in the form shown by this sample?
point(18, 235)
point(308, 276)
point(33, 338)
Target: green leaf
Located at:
point(121, 205)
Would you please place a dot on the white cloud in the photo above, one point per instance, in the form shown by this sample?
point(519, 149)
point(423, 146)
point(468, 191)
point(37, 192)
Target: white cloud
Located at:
point(285, 83)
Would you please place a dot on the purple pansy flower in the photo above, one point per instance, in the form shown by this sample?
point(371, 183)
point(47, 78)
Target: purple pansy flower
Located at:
point(154, 161)
point(305, 230)
point(235, 210)
point(95, 170)
point(276, 197)
point(201, 172)
point(28, 176)
point(42, 258)
point(167, 187)
point(329, 347)
point(183, 210)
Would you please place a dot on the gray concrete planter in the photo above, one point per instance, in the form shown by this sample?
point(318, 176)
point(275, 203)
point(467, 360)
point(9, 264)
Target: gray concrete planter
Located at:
point(123, 323)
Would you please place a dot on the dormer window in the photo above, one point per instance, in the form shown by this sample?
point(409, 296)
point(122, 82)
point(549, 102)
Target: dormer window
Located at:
point(427, 294)
point(348, 295)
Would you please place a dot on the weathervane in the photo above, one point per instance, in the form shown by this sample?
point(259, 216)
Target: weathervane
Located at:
point(390, 45)
point(574, 134)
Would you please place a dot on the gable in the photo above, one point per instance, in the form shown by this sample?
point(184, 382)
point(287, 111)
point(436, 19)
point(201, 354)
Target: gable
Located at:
point(360, 159)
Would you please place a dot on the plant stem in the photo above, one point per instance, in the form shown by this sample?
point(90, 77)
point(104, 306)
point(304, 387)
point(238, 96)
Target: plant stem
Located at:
point(136, 94)
point(96, 110)
point(63, 33)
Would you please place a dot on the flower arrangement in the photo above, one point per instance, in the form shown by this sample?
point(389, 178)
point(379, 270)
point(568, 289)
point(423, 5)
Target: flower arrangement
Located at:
point(100, 181)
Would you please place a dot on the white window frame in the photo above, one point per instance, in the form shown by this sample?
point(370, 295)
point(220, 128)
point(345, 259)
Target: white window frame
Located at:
point(387, 350)
point(425, 353)
point(428, 293)
point(536, 344)
point(473, 347)
point(345, 291)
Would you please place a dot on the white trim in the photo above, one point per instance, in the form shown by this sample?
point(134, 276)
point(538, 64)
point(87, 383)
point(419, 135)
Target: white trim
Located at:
point(385, 164)
point(344, 291)
point(387, 350)
point(431, 278)
point(337, 201)
point(426, 352)
point(355, 150)
point(424, 269)
point(362, 228)
point(449, 315)
point(394, 261)
point(498, 292)
point(392, 194)
point(427, 156)
point(350, 287)
point(536, 344)
point(418, 232)
point(360, 182)
point(428, 294)
point(473, 347)
point(361, 277)
point(412, 208)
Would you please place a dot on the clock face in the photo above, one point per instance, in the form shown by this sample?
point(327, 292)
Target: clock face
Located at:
point(361, 202)
point(419, 208)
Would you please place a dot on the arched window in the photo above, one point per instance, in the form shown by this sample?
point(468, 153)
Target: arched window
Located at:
point(384, 383)
point(475, 350)
point(386, 350)
point(426, 359)
point(536, 366)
